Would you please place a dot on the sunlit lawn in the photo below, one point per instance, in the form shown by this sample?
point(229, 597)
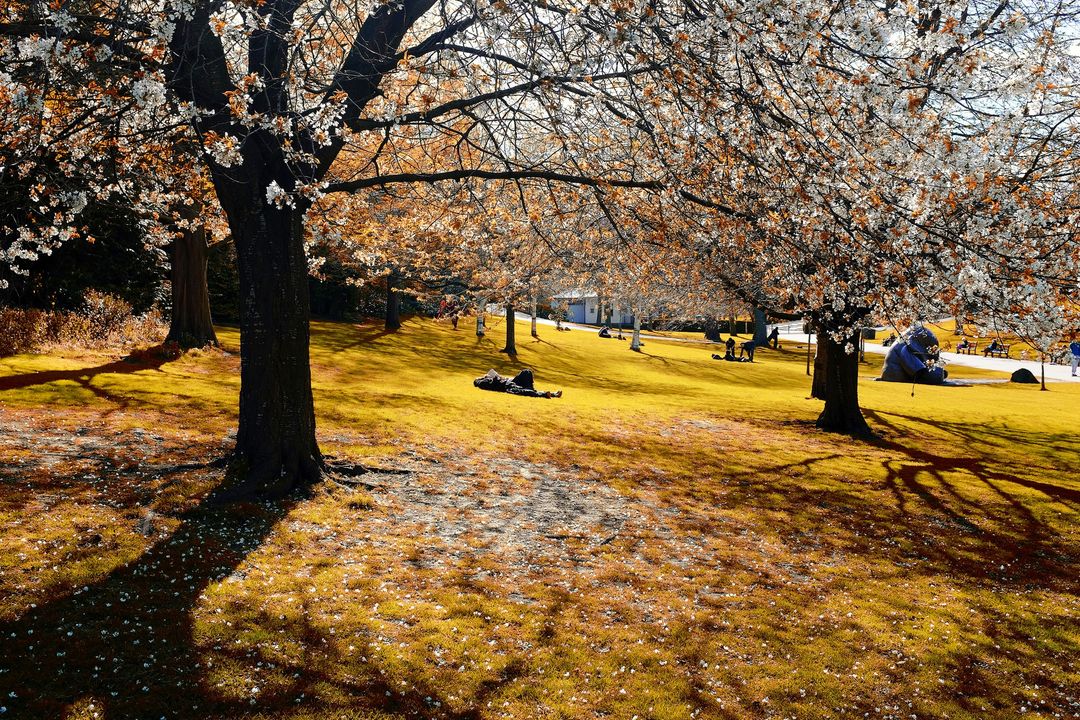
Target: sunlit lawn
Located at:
point(671, 539)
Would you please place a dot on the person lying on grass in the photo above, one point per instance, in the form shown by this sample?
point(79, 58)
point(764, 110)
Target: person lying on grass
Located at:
point(520, 384)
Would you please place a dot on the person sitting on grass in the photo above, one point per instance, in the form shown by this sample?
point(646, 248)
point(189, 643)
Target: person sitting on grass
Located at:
point(729, 351)
point(520, 384)
point(605, 332)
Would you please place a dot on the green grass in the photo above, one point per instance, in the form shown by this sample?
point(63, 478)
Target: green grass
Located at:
point(671, 539)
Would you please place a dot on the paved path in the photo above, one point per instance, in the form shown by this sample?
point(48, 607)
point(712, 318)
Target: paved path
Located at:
point(792, 332)
point(1056, 373)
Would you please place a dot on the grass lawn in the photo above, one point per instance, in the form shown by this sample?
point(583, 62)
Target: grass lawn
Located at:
point(671, 539)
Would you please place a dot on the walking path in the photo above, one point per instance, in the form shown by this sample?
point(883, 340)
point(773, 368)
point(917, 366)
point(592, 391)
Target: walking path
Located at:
point(793, 332)
point(1055, 373)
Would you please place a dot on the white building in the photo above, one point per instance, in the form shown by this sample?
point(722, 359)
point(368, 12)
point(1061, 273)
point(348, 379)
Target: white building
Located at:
point(583, 306)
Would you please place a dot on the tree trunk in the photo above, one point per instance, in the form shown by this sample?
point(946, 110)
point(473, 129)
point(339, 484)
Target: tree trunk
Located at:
point(276, 448)
point(712, 329)
point(761, 331)
point(534, 333)
point(821, 362)
point(635, 343)
point(841, 375)
point(190, 325)
point(481, 303)
point(511, 347)
point(393, 301)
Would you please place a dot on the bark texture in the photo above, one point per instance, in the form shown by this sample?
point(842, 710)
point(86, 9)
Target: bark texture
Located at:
point(712, 329)
point(276, 448)
point(841, 387)
point(821, 362)
point(190, 325)
point(393, 301)
point(761, 332)
point(511, 345)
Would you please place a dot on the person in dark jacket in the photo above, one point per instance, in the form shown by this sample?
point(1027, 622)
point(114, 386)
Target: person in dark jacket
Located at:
point(520, 384)
point(914, 358)
point(774, 338)
point(729, 349)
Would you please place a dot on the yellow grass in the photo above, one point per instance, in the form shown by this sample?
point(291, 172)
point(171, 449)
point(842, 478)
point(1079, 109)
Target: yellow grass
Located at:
point(671, 539)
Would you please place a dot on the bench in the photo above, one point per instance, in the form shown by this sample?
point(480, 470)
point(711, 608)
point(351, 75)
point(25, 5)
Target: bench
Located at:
point(1001, 352)
point(969, 350)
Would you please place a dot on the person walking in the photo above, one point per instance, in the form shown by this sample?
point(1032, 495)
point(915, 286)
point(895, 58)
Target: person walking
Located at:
point(1074, 348)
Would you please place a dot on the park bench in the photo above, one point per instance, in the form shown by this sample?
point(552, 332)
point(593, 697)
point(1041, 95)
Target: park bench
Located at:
point(969, 350)
point(1001, 352)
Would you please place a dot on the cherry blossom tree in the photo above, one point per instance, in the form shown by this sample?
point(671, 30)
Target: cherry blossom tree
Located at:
point(272, 110)
point(870, 160)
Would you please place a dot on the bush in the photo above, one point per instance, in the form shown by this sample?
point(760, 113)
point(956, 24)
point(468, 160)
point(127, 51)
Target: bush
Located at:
point(106, 314)
point(104, 321)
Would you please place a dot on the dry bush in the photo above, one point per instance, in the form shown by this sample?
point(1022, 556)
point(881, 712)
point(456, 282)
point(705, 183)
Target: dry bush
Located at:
point(105, 321)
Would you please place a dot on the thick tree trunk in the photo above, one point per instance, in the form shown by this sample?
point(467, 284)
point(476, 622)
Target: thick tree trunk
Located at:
point(712, 329)
point(635, 343)
point(761, 331)
point(393, 301)
point(190, 325)
point(511, 346)
point(821, 362)
point(841, 375)
point(276, 448)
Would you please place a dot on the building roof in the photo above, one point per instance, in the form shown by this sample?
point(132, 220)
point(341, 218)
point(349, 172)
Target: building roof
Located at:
point(575, 294)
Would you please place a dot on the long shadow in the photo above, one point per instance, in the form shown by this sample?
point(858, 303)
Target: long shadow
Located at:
point(1014, 533)
point(84, 376)
point(127, 640)
point(970, 461)
point(128, 644)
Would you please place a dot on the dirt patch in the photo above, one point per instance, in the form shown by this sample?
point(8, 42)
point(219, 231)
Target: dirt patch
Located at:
point(518, 510)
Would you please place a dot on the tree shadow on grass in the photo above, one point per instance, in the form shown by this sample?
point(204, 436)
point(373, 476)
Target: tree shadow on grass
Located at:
point(85, 376)
point(128, 643)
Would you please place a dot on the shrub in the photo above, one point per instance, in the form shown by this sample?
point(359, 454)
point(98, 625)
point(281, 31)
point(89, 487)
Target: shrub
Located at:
point(106, 314)
point(20, 330)
point(104, 321)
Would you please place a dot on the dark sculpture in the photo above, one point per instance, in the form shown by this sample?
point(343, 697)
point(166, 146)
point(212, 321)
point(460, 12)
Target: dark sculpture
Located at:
point(914, 358)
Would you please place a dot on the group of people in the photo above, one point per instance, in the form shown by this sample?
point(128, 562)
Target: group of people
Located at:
point(605, 332)
point(914, 357)
point(450, 309)
point(746, 351)
point(523, 383)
